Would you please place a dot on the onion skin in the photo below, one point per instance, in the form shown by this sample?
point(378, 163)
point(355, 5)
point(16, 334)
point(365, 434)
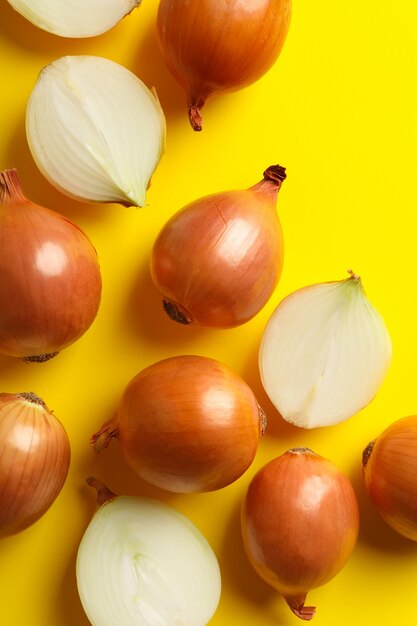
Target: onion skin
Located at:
point(186, 424)
point(390, 474)
point(218, 260)
point(34, 460)
point(300, 521)
point(50, 283)
point(212, 47)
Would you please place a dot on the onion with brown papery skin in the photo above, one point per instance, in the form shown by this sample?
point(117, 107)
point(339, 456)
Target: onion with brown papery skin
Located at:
point(390, 473)
point(300, 521)
point(218, 260)
point(186, 424)
point(50, 283)
point(34, 460)
point(212, 47)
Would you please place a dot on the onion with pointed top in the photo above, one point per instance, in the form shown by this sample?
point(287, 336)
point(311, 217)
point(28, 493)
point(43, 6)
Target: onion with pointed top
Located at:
point(218, 260)
point(300, 521)
point(212, 47)
point(50, 282)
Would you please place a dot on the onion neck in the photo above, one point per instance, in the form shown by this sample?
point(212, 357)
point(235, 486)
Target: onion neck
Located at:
point(102, 438)
point(296, 604)
point(275, 174)
point(272, 181)
point(195, 104)
point(263, 421)
point(10, 188)
point(103, 492)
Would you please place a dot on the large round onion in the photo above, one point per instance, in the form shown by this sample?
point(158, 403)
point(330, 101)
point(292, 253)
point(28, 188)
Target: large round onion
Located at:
point(186, 424)
point(50, 283)
point(212, 47)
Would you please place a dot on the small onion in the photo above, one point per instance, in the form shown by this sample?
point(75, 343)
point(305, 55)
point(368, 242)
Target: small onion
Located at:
point(50, 283)
point(324, 353)
point(300, 521)
point(34, 460)
point(212, 47)
point(390, 473)
point(186, 424)
point(218, 260)
point(141, 563)
point(95, 131)
point(74, 18)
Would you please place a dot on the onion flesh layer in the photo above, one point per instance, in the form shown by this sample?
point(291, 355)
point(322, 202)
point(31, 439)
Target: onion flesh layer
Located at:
point(74, 18)
point(95, 130)
point(141, 563)
point(324, 353)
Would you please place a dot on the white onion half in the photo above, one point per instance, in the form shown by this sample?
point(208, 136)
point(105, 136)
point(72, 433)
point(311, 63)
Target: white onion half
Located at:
point(74, 18)
point(324, 353)
point(95, 130)
point(141, 563)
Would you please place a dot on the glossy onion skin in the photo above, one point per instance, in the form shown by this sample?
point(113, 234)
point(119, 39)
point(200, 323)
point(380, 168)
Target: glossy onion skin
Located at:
point(186, 424)
point(390, 473)
point(50, 283)
point(218, 260)
point(211, 46)
point(300, 522)
point(34, 460)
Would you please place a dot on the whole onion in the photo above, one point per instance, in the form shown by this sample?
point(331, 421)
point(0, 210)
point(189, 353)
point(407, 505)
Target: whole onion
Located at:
point(218, 260)
point(34, 460)
point(50, 283)
point(390, 473)
point(300, 522)
point(212, 47)
point(186, 424)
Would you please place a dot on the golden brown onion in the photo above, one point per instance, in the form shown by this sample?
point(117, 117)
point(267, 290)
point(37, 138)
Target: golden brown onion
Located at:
point(300, 521)
point(218, 260)
point(390, 472)
point(186, 424)
point(50, 283)
point(211, 46)
point(34, 460)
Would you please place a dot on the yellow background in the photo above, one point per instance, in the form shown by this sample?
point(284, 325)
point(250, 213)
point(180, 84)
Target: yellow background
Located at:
point(338, 109)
